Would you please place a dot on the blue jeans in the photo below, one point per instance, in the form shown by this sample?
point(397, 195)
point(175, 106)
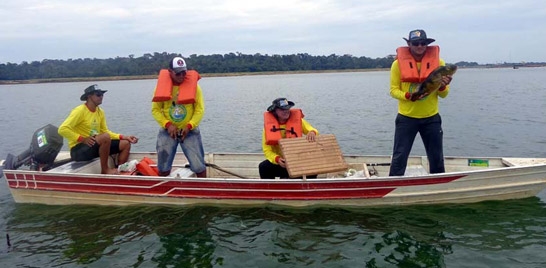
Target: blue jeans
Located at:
point(430, 129)
point(191, 146)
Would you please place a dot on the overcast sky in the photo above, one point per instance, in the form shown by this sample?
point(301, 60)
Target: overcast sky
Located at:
point(484, 31)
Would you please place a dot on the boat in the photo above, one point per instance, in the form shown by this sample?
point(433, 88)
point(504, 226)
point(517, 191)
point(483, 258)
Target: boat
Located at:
point(233, 179)
point(43, 174)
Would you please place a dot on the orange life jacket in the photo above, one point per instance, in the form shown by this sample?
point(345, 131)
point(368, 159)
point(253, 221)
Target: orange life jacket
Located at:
point(144, 167)
point(292, 128)
point(408, 66)
point(186, 90)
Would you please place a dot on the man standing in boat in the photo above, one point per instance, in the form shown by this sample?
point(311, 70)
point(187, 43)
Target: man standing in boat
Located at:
point(281, 122)
point(178, 108)
point(88, 135)
point(417, 114)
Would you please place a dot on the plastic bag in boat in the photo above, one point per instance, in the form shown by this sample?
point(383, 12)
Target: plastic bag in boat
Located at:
point(128, 166)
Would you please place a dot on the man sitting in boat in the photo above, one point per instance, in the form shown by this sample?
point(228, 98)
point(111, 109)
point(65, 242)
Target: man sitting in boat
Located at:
point(88, 135)
point(281, 122)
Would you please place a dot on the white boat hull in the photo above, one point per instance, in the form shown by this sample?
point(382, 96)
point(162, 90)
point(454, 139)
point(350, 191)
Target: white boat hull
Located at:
point(500, 179)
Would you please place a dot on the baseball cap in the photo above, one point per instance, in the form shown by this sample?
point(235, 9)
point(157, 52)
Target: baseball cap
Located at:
point(178, 64)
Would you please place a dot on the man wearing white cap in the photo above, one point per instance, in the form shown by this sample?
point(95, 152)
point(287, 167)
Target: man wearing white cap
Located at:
point(179, 119)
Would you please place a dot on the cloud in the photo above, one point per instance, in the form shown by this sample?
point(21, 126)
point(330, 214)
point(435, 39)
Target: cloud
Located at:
point(484, 31)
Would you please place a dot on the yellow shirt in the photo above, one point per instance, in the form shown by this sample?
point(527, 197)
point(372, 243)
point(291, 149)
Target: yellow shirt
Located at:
point(423, 108)
point(85, 123)
point(179, 114)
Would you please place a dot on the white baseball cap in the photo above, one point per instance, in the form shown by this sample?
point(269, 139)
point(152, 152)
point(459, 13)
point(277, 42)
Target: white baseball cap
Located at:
point(178, 64)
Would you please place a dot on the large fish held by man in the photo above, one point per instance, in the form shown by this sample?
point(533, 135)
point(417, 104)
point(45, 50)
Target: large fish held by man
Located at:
point(433, 81)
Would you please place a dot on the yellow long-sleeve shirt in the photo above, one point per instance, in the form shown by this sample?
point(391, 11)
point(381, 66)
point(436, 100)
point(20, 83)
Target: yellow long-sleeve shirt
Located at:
point(179, 115)
point(272, 151)
point(84, 123)
point(426, 107)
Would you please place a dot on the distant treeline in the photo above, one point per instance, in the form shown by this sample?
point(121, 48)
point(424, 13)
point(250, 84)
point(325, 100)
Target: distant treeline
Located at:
point(150, 64)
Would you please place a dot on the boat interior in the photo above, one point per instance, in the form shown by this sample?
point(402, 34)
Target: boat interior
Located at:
point(323, 158)
point(244, 165)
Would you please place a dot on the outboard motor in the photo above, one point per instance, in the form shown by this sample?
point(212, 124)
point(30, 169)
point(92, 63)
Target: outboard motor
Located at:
point(45, 145)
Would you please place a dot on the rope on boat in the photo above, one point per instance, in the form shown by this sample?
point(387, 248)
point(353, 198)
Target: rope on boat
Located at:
point(378, 164)
point(225, 171)
point(221, 169)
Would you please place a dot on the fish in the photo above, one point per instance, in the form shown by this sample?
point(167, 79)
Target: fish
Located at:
point(433, 81)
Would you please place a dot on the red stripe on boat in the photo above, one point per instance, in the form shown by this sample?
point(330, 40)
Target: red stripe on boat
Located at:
point(214, 189)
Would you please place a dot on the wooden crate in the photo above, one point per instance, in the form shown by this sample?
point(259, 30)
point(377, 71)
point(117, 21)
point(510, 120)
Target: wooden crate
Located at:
point(311, 158)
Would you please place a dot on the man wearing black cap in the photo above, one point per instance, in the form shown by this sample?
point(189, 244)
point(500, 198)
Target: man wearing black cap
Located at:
point(413, 64)
point(280, 121)
point(88, 135)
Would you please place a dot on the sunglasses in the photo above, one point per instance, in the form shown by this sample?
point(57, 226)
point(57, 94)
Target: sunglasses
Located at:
point(180, 73)
point(99, 94)
point(417, 43)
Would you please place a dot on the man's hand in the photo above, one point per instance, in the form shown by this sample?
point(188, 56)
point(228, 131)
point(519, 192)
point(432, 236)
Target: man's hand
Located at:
point(173, 131)
point(131, 138)
point(446, 79)
point(182, 133)
point(282, 162)
point(311, 136)
point(90, 141)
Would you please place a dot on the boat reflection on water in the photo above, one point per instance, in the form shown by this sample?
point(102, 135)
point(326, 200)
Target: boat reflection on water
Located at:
point(421, 236)
point(123, 235)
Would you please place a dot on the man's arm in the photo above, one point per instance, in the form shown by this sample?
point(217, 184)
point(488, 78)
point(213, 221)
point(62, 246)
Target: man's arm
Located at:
point(68, 128)
point(269, 152)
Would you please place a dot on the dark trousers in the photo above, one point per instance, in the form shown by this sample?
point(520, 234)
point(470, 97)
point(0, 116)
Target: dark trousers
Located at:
point(269, 170)
point(82, 152)
point(406, 129)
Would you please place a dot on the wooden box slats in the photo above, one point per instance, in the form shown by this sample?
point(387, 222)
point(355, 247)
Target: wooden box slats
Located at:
point(312, 158)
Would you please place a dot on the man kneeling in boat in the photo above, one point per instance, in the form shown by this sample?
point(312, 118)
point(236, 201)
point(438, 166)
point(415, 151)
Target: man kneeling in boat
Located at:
point(281, 122)
point(88, 135)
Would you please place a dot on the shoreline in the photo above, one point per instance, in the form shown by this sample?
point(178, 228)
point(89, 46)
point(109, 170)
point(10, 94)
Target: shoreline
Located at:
point(144, 77)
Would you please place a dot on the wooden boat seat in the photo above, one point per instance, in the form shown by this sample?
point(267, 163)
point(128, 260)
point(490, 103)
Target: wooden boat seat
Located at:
point(312, 158)
point(511, 162)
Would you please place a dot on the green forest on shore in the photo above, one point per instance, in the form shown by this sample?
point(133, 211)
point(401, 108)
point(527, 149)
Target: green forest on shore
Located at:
point(148, 65)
